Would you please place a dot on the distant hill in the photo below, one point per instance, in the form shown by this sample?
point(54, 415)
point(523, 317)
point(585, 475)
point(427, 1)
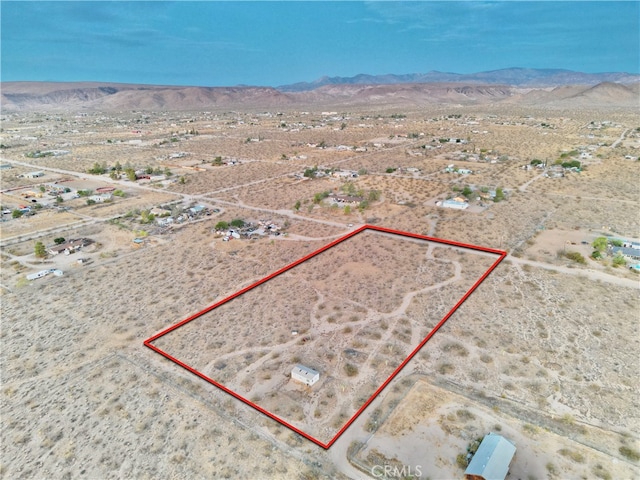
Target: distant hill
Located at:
point(521, 77)
point(94, 96)
point(117, 96)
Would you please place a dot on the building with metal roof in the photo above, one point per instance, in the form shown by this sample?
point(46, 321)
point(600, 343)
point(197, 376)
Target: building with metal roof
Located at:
point(492, 459)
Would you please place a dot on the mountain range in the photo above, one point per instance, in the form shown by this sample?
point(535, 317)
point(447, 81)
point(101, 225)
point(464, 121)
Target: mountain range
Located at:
point(521, 77)
point(561, 88)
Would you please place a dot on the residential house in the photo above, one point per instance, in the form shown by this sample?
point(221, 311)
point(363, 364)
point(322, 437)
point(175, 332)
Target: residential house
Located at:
point(68, 247)
point(105, 197)
point(455, 204)
point(344, 200)
point(32, 175)
point(632, 253)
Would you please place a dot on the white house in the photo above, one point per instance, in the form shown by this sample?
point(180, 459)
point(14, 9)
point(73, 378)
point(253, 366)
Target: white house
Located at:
point(33, 175)
point(453, 204)
point(305, 375)
point(104, 197)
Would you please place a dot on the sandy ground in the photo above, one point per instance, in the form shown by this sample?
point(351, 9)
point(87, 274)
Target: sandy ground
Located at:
point(434, 425)
point(346, 328)
point(545, 348)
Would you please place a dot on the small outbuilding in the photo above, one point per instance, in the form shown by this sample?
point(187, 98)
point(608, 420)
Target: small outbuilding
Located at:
point(492, 459)
point(305, 375)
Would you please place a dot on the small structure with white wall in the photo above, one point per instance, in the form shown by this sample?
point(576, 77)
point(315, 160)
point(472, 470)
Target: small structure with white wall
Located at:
point(305, 375)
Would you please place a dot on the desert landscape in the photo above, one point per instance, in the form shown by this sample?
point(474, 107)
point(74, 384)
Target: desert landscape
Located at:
point(143, 207)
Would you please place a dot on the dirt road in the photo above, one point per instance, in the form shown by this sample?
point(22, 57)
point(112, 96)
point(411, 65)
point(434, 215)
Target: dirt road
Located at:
point(591, 274)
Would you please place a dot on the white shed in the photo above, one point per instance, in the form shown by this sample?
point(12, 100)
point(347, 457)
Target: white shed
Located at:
point(306, 375)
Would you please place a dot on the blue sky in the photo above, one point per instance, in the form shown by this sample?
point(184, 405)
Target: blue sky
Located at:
point(276, 43)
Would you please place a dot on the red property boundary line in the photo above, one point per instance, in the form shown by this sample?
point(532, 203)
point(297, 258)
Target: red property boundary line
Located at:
point(148, 343)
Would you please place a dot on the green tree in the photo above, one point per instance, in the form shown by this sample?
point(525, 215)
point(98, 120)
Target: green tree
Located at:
point(222, 225)
point(576, 257)
point(318, 197)
point(42, 188)
point(467, 192)
point(167, 172)
point(148, 170)
point(183, 180)
point(59, 200)
point(16, 213)
point(118, 193)
point(98, 169)
point(499, 195)
point(296, 207)
point(58, 240)
point(118, 167)
point(146, 217)
point(40, 250)
point(374, 195)
point(237, 222)
point(347, 210)
point(310, 172)
point(349, 188)
point(217, 161)
point(618, 260)
point(131, 174)
point(600, 244)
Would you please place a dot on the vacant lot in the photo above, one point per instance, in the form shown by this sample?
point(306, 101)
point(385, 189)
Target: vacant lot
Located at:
point(357, 310)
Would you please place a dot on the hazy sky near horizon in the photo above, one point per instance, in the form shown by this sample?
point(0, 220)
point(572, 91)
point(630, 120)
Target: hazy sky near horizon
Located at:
point(212, 43)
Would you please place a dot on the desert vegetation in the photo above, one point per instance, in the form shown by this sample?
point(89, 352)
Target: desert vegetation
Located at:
point(541, 351)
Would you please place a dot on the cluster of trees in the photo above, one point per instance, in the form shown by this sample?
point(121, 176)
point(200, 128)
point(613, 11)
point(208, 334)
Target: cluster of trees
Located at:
point(236, 222)
point(600, 246)
point(470, 194)
point(318, 197)
point(310, 172)
point(129, 172)
point(571, 164)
